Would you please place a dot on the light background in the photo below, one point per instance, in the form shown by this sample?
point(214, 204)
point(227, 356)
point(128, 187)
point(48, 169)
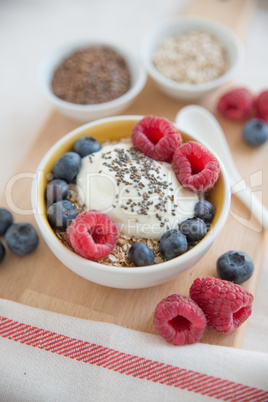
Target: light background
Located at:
point(30, 28)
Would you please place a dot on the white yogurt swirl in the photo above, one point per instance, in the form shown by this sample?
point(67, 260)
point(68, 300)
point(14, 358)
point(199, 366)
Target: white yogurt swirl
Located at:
point(141, 195)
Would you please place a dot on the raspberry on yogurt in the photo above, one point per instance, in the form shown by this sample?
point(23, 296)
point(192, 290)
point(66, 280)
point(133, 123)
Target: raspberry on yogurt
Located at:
point(156, 137)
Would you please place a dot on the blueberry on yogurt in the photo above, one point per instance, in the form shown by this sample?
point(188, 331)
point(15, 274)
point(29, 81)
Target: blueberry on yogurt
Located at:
point(67, 166)
point(61, 214)
point(204, 210)
point(194, 229)
point(86, 145)
point(172, 244)
point(56, 190)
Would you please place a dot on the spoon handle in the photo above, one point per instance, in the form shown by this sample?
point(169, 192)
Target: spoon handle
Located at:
point(247, 197)
point(254, 206)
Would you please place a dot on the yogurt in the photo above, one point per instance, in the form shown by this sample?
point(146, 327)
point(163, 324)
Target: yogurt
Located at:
point(141, 195)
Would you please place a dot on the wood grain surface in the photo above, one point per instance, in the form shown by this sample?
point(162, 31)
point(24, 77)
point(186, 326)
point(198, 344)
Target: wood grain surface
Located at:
point(40, 280)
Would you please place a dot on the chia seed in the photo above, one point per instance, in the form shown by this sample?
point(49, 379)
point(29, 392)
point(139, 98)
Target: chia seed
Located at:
point(90, 76)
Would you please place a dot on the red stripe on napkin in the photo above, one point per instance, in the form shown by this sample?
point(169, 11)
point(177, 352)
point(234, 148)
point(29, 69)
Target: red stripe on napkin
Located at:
point(128, 364)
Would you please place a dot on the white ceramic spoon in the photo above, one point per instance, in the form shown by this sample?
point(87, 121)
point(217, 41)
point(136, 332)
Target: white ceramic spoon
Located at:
point(199, 122)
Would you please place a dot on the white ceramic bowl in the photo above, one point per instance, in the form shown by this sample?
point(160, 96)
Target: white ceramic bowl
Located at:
point(85, 113)
point(181, 25)
point(114, 128)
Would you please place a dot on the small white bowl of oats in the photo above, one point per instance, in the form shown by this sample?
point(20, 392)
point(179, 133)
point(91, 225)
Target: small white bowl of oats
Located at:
point(187, 57)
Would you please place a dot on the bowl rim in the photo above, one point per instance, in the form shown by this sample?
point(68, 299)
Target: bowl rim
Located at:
point(174, 85)
point(46, 69)
point(49, 235)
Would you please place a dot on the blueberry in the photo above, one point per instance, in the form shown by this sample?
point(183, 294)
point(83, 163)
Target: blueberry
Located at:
point(67, 166)
point(235, 266)
point(204, 210)
point(56, 190)
point(21, 238)
point(141, 255)
point(255, 132)
point(172, 244)
point(86, 145)
point(61, 214)
point(2, 252)
point(194, 229)
point(6, 219)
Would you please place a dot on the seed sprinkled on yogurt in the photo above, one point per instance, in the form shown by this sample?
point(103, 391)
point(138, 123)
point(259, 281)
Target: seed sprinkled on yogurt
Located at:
point(137, 192)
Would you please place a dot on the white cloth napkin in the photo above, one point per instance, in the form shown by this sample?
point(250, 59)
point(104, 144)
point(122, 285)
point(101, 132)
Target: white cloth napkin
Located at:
point(47, 356)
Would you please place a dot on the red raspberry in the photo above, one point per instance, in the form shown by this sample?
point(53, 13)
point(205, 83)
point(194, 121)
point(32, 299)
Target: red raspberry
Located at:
point(92, 235)
point(156, 137)
point(225, 304)
point(195, 167)
point(179, 320)
point(237, 104)
point(261, 105)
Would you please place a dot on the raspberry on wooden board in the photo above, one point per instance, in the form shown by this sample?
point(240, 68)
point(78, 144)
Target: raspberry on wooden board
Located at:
point(261, 105)
point(237, 104)
point(226, 305)
point(179, 320)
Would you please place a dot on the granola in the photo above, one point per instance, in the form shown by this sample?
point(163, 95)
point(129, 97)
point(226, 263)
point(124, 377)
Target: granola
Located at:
point(119, 256)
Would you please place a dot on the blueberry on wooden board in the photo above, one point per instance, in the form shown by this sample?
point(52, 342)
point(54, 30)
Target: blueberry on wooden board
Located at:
point(2, 252)
point(6, 219)
point(21, 238)
point(255, 132)
point(235, 266)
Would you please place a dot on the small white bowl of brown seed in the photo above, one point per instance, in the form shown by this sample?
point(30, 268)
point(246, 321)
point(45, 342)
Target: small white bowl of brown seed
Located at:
point(90, 80)
point(187, 57)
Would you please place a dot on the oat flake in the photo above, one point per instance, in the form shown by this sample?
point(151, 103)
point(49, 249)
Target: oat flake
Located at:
point(195, 57)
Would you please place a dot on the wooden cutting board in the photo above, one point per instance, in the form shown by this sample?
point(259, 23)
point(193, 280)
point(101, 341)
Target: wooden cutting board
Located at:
point(40, 280)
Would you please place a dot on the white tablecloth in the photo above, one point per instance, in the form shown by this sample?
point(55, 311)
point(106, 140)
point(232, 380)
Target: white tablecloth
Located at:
point(51, 357)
